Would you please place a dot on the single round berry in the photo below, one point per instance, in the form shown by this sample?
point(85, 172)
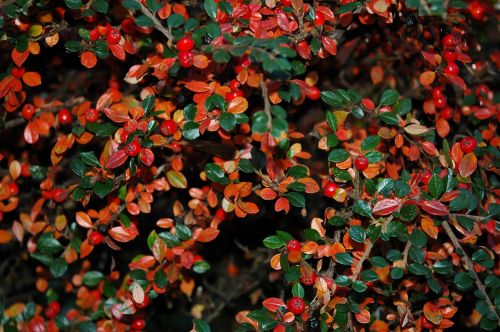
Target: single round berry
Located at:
point(296, 305)
point(450, 55)
point(17, 72)
point(144, 303)
point(138, 324)
point(14, 188)
point(313, 93)
point(319, 18)
point(94, 35)
point(113, 36)
point(468, 144)
point(96, 238)
point(440, 102)
point(64, 117)
point(437, 92)
point(451, 69)
point(233, 94)
point(476, 10)
point(287, 3)
point(91, 115)
point(426, 324)
point(186, 59)
point(128, 25)
point(245, 61)
point(52, 310)
point(185, 44)
point(59, 195)
point(220, 214)
point(448, 41)
point(28, 111)
point(293, 245)
point(361, 163)
point(168, 127)
point(132, 149)
point(124, 136)
point(308, 280)
point(446, 113)
point(234, 84)
point(330, 189)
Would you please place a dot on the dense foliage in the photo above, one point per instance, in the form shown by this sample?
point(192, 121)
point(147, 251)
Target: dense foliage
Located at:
point(141, 140)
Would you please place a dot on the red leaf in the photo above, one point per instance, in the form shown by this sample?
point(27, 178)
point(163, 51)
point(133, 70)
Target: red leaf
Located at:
point(19, 58)
point(385, 207)
point(329, 44)
point(88, 59)
point(117, 115)
point(116, 159)
point(117, 51)
point(468, 165)
point(282, 204)
point(456, 80)
point(83, 220)
point(147, 157)
point(30, 133)
point(430, 57)
point(207, 235)
point(124, 234)
point(273, 303)
point(434, 207)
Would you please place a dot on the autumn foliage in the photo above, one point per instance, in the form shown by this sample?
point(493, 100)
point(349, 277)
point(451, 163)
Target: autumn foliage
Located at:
point(268, 165)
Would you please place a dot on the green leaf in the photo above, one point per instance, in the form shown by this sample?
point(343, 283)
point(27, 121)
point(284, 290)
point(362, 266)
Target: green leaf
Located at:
point(90, 159)
point(144, 21)
point(73, 46)
point(389, 118)
point(175, 20)
point(298, 290)
point(436, 186)
point(343, 258)
point(227, 121)
point(296, 199)
point(78, 166)
point(332, 120)
point(191, 130)
point(338, 155)
point(131, 4)
point(362, 208)
point(47, 244)
point(359, 286)
point(389, 97)
point(102, 189)
point(211, 8)
point(349, 7)
point(148, 104)
point(331, 98)
point(418, 238)
point(215, 173)
point(58, 267)
point(201, 326)
point(201, 267)
point(443, 267)
point(343, 281)
point(273, 242)
point(463, 281)
point(357, 233)
point(100, 6)
point(183, 232)
point(73, 4)
point(370, 143)
point(92, 278)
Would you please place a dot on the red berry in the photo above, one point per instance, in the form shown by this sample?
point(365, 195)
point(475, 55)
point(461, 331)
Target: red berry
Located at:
point(96, 238)
point(113, 36)
point(25, 170)
point(220, 214)
point(104, 28)
point(94, 35)
point(128, 25)
point(361, 163)
point(319, 18)
point(468, 144)
point(185, 44)
point(330, 189)
point(234, 84)
point(59, 195)
point(440, 102)
point(133, 148)
point(426, 176)
point(186, 59)
point(293, 245)
point(482, 90)
point(130, 126)
point(28, 111)
point(313, 93)
point(296, 305)
point(14, 188)
point(476, 10)
point(233, 94)
point(168, 127)
point(138, 324)
point(245, 61)
point(451, 69)
point(446, 113)
point(437, 92)
point(309, 279)
point(450, 55)
point(52, 309)
point(17, 72)
point(448, 41)
point(64, 117)
point(287, 3)
point(426, 324)
point(91, 115)
point(124, 136)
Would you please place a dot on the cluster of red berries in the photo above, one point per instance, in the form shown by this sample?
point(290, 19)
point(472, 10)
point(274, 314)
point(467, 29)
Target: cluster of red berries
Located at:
point(58, 195)
point(294, 249)
point(112, 34)
point(17, 72)
point(242, 63)
point(439, 97)
point(235, 91)
point(450, 55)
point(184, 46)
point(133, 148)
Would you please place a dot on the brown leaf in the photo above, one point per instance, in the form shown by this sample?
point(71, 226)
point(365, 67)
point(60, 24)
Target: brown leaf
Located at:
point(32, 78)
point(468, 165)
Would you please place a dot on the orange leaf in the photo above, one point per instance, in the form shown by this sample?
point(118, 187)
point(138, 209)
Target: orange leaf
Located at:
point(432, 313)
point(377, 74)
point(427, 77)
point(207, 235)
point(329, 44)
point(363, 316)
point(19, 57)
point(117, 51)
point(468, 165)
point(197, 86)
point(429, 227)
point(88, 59)
point(237, 105)
point(118, 115)
point(124, 234)
point(267, 194)
point(5, 236)
point(282, 204)
point(83, 220)
point(32, 78)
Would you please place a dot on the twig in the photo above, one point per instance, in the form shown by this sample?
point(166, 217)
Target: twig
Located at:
point(267, 103)
point(470, 267)
point(156, 22)
point(405, 253)
point(359, 265)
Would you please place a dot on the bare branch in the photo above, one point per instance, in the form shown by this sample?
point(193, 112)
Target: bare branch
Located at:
point(157, 24)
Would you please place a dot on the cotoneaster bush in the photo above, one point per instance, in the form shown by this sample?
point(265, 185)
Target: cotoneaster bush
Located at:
point(363, 133)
